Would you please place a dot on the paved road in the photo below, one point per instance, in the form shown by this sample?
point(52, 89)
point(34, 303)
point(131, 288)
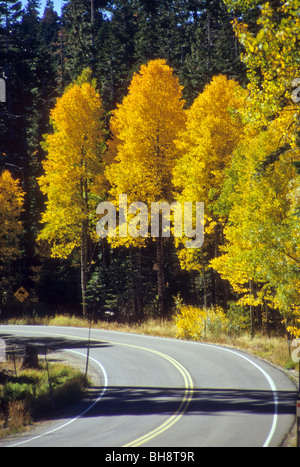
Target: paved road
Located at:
point(163, 393)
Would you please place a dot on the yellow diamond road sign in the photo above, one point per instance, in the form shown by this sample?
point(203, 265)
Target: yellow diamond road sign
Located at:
point(21, 294)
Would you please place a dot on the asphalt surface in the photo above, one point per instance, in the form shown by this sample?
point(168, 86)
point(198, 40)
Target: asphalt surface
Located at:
point(154, 392)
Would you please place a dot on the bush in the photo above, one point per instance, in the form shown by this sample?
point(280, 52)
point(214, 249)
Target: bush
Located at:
point(69, 391)
point(239, 319)
point(18, 392)
point(28, 396)
point(196, 323)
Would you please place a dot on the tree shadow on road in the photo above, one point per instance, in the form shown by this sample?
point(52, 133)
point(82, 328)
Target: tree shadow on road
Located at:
point(119, 401)
point(18, 343)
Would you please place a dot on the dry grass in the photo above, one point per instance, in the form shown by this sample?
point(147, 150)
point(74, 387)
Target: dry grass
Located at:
point(275, 350)
point(25, 395)
point(18, 417)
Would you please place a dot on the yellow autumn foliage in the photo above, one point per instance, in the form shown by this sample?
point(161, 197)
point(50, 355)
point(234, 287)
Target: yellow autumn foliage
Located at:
point(295, 330)
point(195, 323)
point(262, 233)
point(262, 187)
point(146, 125)
point(11, 208)
point(73, 168)
point(144, 128)
point(271, 55)
point(214, 129)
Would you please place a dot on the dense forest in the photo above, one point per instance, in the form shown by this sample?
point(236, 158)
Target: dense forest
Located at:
point(164, 100)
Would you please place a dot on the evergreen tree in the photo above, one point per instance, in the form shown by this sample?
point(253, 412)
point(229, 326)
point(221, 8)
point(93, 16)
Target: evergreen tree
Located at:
point(115, 60)
point(11, 135)
point(212, 47)
point(82, 22)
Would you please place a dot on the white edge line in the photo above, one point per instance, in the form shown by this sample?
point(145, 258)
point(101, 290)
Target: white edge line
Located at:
point(266, 375)
point(78, 416)
point(272, 385)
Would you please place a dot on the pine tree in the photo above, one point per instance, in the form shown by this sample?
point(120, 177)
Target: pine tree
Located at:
point(114, 44)
point(82, 21)
point(11, 135)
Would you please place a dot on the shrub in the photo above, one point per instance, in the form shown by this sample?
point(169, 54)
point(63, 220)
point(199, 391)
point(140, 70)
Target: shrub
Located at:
point(18, 392)
point(239, 319)
point(28, 396)
point(197, 323)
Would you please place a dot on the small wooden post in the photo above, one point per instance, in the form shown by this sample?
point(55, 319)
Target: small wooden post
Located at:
point(298, 421)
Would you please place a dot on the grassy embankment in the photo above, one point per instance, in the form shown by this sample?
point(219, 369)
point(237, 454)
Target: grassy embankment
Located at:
point(26, 395)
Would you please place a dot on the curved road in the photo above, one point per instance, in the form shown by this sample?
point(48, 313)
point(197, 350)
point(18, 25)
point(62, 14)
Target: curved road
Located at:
point(156, 392)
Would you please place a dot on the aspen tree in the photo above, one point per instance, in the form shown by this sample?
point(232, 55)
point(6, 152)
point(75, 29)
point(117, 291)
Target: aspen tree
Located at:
point(144, 128)
point(213, 131)
point(73, 168)
point(11, 208)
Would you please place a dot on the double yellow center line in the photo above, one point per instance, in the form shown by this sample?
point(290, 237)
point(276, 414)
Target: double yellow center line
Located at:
point(188, 396)
point(188, 384)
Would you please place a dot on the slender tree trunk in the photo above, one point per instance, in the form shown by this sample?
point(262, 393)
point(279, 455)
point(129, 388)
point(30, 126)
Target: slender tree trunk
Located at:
point(93, 33)
point(92, 18)
point(267, 318)
point(217, 277)
point(252, 311)
point(84, 264)
point(62, 60)
point(112, 78)
point(139, 306)
point(205, 301)
point(106, 259)
point(209, 38)
point(84, 244)
point(161, 280)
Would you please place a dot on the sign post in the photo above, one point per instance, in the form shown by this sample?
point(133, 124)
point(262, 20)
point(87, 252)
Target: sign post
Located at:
point(2, 351)
point(298, 413)
point(2, 90)
point(296, 358)
point(298, 421)
point(88, 352)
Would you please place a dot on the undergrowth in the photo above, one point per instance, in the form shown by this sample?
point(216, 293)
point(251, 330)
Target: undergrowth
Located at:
point(29, 395)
